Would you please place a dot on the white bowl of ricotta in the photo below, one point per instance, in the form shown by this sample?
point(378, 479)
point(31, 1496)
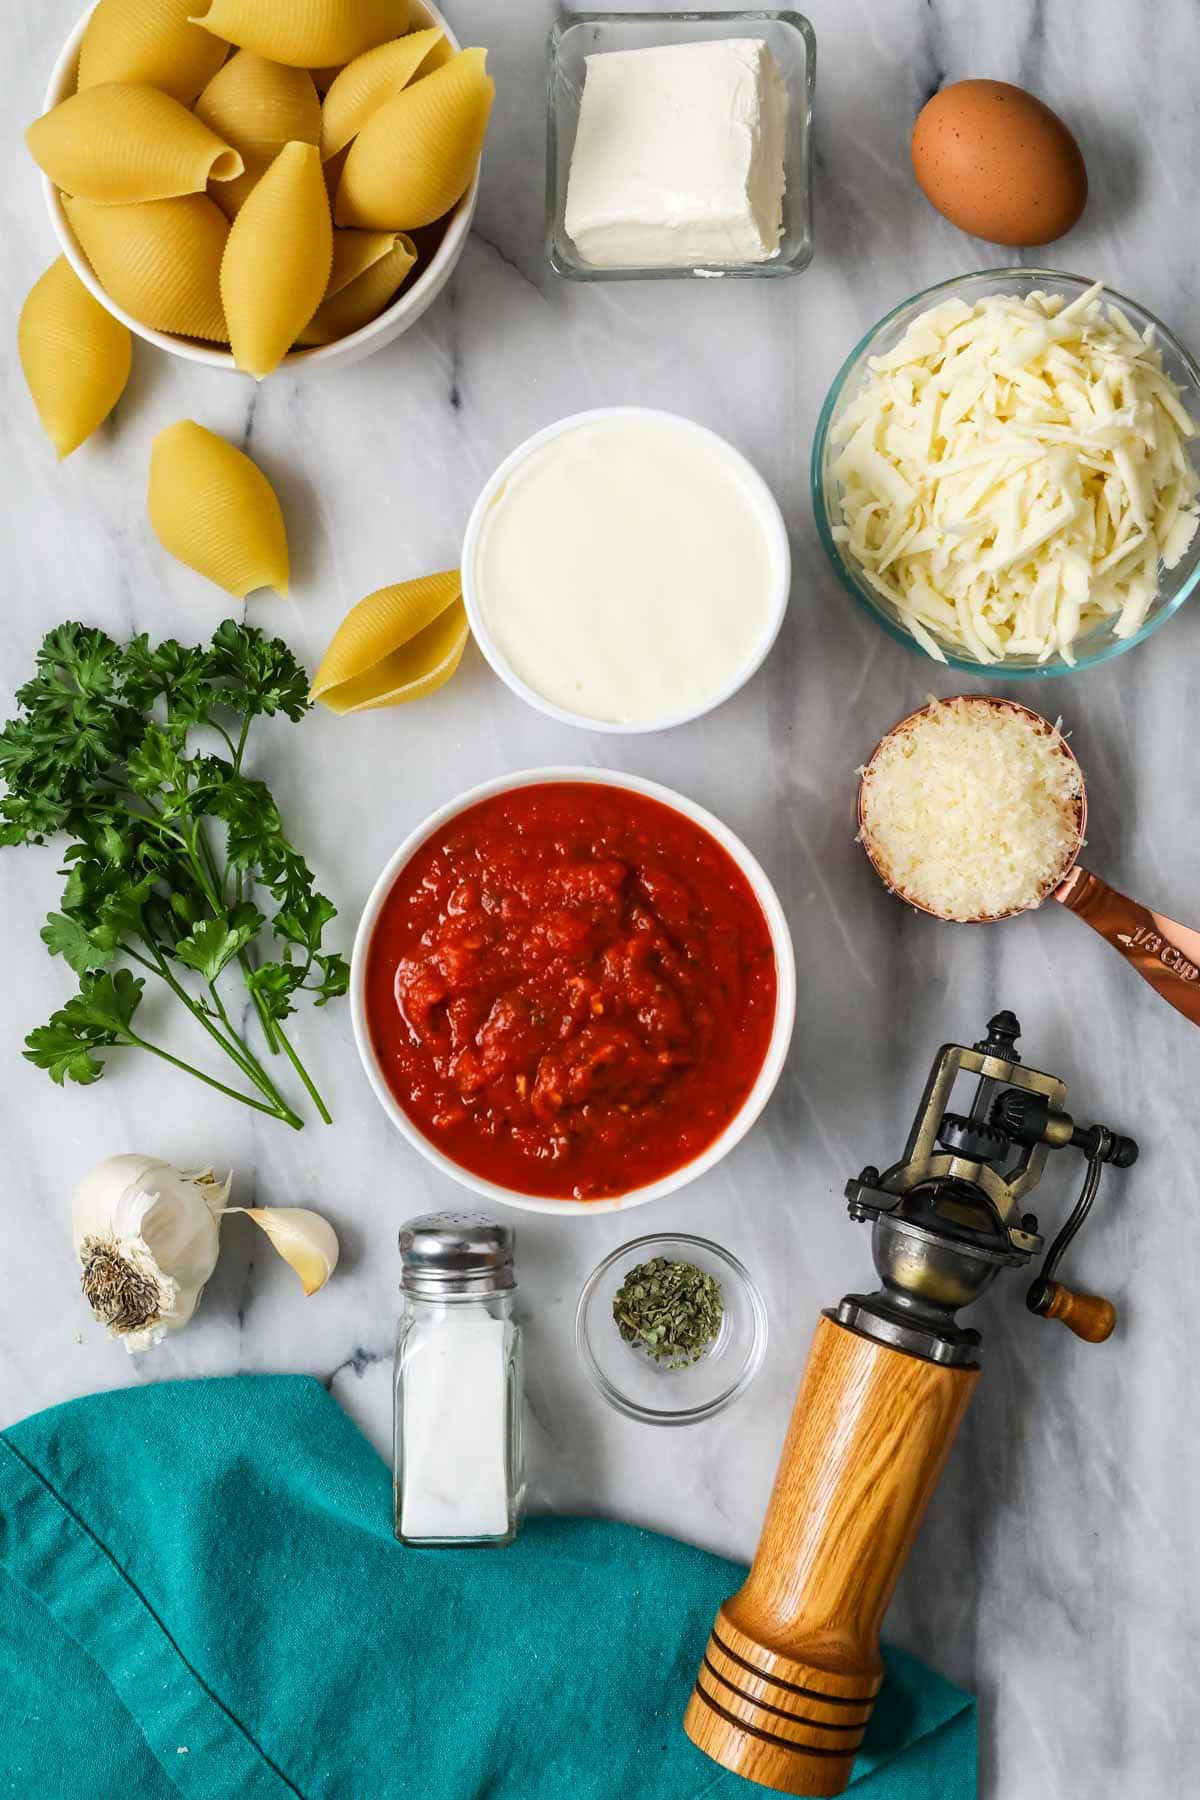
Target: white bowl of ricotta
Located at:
point(626, 570)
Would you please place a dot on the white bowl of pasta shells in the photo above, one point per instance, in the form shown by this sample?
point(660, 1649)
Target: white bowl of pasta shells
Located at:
point(442, 245)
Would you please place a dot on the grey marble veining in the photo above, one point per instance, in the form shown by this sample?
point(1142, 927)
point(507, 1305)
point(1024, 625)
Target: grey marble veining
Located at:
point(1059, 1571)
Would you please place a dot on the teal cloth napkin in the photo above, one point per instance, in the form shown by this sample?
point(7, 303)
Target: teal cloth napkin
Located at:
point(200, 1595)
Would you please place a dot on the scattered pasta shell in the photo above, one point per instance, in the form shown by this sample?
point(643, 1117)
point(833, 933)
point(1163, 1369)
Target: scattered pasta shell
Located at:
point(416, 154)
point(277, 261)
point(152, 41)
point(215, 510)
point(308, 34)
point(398, 644)
point(354, 300)
point(258, 107)
point(75, 355)
point(367, 82)
point(121, 142)
point(160, 261)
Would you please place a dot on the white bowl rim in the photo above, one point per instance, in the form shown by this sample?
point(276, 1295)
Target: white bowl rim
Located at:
point(785, 989)
point(760, 494)
point(212, 355)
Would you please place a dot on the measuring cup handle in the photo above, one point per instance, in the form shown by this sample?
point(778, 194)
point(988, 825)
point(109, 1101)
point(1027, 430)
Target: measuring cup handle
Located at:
point(1165, 954)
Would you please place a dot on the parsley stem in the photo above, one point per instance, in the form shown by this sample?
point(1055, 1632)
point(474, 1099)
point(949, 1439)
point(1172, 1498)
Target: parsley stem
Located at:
point(281, 1111)
point(204, 848)
point(241, 743)
point(252, 1065)
point(304, 1075)
point(232, 1045)
point(270, 1027)
point(221, 732)
point(200, 855)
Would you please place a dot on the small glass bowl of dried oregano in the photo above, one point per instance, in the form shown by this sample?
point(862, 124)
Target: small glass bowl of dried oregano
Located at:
point(671, 1329)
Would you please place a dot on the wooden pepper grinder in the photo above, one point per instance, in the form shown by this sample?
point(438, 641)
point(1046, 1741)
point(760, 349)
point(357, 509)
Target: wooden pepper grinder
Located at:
point(792, 1668)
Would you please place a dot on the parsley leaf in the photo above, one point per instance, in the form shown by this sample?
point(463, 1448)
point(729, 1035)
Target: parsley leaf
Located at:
point(212, 946)
point(174, 673)
point(64, 1052)
point(107, 1002)
point(98, 1017)
point(274, 983)
point(335, 978)
point(156, 763)
point(67, 938)
point(257, 674)
point(303, 919)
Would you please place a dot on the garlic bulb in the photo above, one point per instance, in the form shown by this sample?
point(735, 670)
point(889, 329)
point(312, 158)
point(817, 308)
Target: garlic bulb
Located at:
point(147, 1237)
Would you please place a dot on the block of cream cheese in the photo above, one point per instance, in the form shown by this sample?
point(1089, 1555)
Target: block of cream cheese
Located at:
point(679, 156)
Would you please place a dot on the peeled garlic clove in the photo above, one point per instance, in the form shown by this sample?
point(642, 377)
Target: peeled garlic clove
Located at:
point(304, 1239)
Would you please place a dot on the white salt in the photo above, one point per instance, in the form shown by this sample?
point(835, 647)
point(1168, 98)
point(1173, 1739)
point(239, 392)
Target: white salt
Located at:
point(455, 1437)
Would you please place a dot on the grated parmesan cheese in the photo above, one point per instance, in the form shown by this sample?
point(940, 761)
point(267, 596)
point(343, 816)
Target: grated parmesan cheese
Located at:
point(1013, 474)
point(971, 809)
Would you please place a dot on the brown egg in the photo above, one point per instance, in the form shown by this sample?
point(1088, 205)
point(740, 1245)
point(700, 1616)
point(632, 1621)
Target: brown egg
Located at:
point(998, 163)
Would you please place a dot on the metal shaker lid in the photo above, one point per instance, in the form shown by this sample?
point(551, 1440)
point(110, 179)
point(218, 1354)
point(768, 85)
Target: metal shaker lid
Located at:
point(448, 1254)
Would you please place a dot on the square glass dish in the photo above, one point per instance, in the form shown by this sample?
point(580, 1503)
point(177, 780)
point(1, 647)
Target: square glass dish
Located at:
point(576, 36)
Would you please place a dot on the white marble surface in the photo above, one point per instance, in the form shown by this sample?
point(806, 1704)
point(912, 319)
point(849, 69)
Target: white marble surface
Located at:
point(1058, 1573)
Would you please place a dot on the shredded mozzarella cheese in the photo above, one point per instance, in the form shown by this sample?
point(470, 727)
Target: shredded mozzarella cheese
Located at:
point(1013, 473)
point(971, 809)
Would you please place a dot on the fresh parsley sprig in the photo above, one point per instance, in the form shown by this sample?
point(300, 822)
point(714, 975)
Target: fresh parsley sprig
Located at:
point(175, 849)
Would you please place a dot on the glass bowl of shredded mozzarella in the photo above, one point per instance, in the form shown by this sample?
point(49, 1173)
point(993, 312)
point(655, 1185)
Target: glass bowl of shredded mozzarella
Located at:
point(1004, 473)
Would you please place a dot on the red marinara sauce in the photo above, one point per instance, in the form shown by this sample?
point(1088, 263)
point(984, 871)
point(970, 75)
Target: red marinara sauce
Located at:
point(571, 989)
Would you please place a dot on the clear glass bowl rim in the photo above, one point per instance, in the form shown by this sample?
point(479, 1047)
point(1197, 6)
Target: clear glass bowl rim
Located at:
point(750, 1366)
point(566, 20)
point(966, 665)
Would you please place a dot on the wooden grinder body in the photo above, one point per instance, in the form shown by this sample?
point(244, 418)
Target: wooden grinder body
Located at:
point(792, 1668)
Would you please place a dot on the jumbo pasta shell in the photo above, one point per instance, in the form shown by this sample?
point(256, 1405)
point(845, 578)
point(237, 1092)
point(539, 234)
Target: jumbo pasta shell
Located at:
point(333, 175)
point(398, 644)
point(258, 106)
point(439, 56)
point(75, 355)
point(160, 261)
point(367, 82)
point(417, 153)
point(354, 252)
point(122, 142)
point(277, 261)
point(215, 510)
point(153, 41)
point(356, 300)
point(309, 34)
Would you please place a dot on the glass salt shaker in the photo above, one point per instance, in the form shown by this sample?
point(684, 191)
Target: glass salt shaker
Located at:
point(459, 1474)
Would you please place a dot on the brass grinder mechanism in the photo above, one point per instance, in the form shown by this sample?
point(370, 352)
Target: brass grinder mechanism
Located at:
point(948, 1217)
point(792, 1668)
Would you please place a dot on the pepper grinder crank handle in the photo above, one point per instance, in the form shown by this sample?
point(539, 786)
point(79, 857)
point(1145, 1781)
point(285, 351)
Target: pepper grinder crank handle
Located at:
point(792, 1668)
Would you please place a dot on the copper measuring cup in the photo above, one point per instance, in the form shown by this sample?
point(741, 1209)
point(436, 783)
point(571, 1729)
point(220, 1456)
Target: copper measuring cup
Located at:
point(1164, 953)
